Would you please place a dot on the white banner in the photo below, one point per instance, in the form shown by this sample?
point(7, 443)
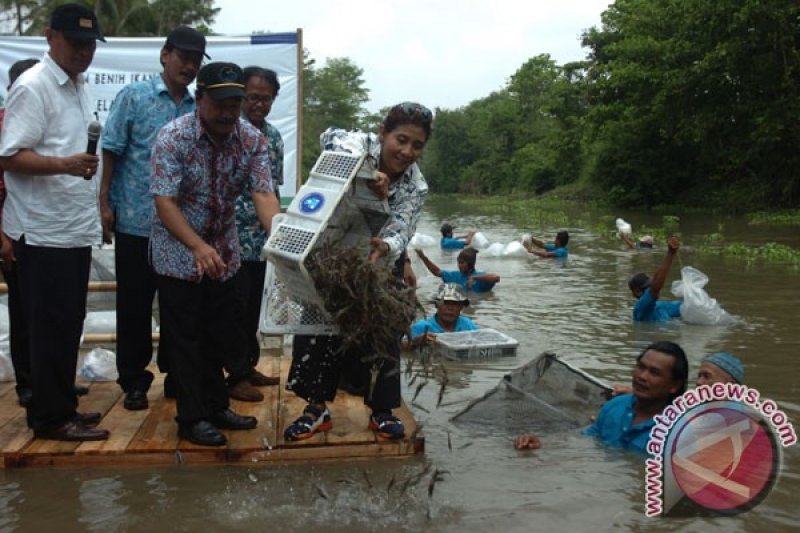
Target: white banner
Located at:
point(121, 61)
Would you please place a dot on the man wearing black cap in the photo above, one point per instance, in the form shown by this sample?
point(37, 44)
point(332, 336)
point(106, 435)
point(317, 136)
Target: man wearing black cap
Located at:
point(200, 164)
point(51, 216)
point(648, 307)
point(449, 242)
point(139, 111)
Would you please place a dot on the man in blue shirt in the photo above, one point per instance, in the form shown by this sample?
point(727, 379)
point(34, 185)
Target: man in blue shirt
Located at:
point(466, 276)
point(450, 301)
point(648, 308)
point(126, 205)
point(558, 248)
point(660, 375)
point(449, 242)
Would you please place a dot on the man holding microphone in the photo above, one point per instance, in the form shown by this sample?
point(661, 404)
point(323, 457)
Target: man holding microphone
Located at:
point(51, 215)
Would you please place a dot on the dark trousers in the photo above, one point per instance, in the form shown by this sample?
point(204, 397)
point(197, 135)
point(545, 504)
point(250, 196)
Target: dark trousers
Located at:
point(317, 363)
point(198, 323)
point(249, 290)
point(53, 283)
point(19, 342)
point(136, 288)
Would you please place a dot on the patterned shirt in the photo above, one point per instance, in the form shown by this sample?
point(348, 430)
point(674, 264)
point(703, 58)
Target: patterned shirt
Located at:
point(2, 181)
point(252, 235)
point(406, 194)
point(137, 114)
point(206, 181)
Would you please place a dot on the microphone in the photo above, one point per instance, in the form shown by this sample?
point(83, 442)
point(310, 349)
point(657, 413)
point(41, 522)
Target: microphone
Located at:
point(94, 135)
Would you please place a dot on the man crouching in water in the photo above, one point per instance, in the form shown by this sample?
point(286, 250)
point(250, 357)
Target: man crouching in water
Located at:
point(660, 375)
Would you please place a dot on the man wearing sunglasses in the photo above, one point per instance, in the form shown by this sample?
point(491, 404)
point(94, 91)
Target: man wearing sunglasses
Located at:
point(137, 114)
point(201, 163)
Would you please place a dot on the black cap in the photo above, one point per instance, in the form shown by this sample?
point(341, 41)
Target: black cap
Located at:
point(76, 22)
point(639, 282)
point(221, 80)
point(187, 39)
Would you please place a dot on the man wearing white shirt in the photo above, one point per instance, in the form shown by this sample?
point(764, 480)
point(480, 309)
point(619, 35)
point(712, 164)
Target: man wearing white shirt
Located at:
point(52, 217)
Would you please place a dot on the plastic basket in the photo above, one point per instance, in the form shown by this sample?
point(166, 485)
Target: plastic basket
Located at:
point(477, 344)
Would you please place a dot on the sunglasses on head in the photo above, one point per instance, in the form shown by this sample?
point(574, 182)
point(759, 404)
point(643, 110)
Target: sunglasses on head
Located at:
point(412, 108)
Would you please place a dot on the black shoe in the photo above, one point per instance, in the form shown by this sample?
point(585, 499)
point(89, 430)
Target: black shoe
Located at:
point(227, 419)
point(81, 390)
point(87, 419)
point(135, 400)
point(24, 396)
point(202, 433)
point(71, 431)
point(169, 388)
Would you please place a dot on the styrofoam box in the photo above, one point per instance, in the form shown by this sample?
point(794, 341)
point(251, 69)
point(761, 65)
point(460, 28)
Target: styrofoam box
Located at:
point(480, 343)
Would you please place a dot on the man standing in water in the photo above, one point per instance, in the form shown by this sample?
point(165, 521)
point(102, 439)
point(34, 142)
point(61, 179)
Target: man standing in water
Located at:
point(660, 375)
point(137, 115)
point(648, 307)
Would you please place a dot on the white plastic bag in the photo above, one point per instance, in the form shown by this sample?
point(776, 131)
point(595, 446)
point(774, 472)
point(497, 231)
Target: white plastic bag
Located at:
point(479, 241)
point(623, 228)
point(99, 365)
point(515, 249)
point(420, 240)
point(698, 307)
point(494, 250)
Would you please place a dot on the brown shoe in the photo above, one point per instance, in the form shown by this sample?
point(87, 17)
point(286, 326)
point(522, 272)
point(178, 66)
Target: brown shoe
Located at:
point(71, 431)
point(260, 380)
point(245, 392)
point(89, 419)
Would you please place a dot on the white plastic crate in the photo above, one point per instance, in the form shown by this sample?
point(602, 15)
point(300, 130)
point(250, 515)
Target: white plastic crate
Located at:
point(334, 207)
point(477, 344)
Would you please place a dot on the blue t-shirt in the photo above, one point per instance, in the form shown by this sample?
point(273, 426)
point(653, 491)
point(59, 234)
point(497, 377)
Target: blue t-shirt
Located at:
point(649, 309)
point(430, 325)
point(614, 425)
point(561, 251)
point(455, 276)
point(449, 243)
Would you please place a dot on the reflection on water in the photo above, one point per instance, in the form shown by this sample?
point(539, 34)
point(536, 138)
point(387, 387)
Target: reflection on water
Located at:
point(579, 309)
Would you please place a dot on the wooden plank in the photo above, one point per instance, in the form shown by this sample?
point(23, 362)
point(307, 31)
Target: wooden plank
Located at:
point(266, 412)
point(102, 396)
point(159, 432)
point(6, 387)
point(350, 420)
point(290, 406)
point(123, 424)
point(14, 436)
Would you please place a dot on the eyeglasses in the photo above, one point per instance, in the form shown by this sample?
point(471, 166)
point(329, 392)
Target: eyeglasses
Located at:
point(258, 99)
point(412, 108)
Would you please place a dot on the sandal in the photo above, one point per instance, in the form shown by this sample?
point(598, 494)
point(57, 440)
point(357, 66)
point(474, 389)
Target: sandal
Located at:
point(387, 426)
point(313, 419)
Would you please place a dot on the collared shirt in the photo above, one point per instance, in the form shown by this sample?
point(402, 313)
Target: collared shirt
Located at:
point(406, 194)
point(614, 425)
point(450, 243)
point(49, 113)
point(206, 181)
point(561, 251)
point(252, 235)
point(431, 325)
point(649, 309)
point(456, 276)
point(138, 113)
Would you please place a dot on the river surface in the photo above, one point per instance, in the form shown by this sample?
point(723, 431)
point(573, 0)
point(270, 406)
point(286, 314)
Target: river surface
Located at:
point(579, 309)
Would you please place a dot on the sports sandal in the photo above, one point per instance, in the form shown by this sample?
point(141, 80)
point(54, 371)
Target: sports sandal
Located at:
point(386, 426)
point(305, 426)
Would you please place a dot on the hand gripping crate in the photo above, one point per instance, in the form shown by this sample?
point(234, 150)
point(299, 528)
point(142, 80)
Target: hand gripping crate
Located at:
point(334, 207)
point(476, 344)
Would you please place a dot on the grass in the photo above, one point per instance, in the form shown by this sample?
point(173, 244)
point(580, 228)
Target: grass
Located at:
point(774, 218)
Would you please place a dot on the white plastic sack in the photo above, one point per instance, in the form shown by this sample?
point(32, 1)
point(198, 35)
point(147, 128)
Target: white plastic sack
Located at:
point(420, 240)
point(99, 365)
point(623, 228)
point(494, 250)
point(515, 249)
point(698, 307)
point(479, 241)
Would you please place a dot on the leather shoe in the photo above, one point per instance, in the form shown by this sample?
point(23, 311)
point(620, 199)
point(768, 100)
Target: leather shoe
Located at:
point(81, 390)
point(227, 419)
point(135, 400)
point(71, 431)
point(87, 419)
point(203, 433)
point(245, 392)
point(24, 397)
point(260, 380)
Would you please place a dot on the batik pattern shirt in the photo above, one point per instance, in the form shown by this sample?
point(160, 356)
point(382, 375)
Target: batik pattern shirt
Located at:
point(205, 180)
point(252, 236)
point(138, 113)
point(406, 194)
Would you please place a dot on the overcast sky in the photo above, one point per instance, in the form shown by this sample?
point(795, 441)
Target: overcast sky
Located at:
point(443, 53)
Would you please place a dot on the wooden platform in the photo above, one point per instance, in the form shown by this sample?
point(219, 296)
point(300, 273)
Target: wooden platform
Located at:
point(150, 437)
